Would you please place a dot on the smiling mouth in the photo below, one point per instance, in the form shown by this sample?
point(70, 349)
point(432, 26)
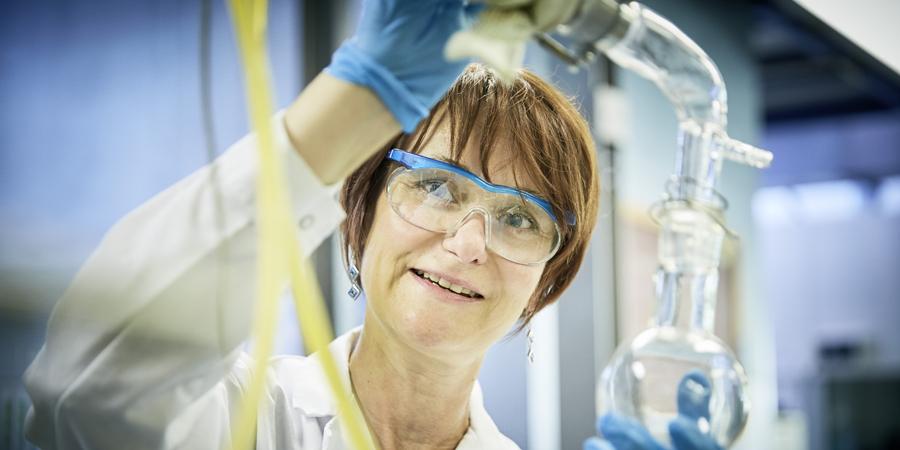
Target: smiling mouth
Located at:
point(444, 284)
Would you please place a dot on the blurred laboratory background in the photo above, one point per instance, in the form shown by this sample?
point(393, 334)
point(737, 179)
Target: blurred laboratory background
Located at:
point(105, 103)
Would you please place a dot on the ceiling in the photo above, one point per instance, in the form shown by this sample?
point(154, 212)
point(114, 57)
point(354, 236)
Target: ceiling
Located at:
point(809, 70)
point(832, 110)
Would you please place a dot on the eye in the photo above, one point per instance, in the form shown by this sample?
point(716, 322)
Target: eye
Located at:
point(437, 189)
point(519, 220)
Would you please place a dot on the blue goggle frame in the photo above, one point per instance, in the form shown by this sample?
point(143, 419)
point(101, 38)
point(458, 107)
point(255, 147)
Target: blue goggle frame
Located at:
point(414, 161)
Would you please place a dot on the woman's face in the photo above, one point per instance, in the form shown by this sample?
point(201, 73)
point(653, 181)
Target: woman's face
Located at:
point(431, 318)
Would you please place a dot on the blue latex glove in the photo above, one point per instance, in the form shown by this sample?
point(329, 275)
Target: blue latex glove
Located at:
point(623, 433)
point(398, 52)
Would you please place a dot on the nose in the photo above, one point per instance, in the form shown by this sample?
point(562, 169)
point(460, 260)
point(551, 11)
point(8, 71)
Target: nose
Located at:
point(468, 241)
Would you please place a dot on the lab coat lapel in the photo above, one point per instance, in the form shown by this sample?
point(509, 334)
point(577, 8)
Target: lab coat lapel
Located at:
point(313, 396)
point(482, 432)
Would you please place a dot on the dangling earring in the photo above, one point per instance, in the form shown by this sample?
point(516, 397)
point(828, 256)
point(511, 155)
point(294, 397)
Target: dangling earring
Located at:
point(353, 273)
point(529, 336)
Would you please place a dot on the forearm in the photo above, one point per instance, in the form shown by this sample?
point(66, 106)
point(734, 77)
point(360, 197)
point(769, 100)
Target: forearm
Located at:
point(335, 126)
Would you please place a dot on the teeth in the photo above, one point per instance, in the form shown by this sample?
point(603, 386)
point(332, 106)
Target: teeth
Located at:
point(446, 284)
point(461, 290)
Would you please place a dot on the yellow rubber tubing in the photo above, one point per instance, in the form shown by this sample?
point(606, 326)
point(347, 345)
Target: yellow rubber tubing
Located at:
point(279, 257)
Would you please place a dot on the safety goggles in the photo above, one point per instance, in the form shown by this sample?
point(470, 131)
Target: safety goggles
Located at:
point(440, 197)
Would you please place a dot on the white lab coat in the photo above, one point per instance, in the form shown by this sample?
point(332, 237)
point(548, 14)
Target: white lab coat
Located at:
point(143, 350)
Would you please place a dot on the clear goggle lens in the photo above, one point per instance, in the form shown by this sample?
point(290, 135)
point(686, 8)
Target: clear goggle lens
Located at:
point(439, 200)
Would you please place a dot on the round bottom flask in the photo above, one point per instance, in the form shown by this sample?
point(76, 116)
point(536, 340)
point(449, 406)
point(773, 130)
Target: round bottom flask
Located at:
point(641, 381)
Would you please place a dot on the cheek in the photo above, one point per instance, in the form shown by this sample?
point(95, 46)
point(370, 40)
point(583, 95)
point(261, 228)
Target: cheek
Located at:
point(391, 242)
point(377, 267)
point(518, 284)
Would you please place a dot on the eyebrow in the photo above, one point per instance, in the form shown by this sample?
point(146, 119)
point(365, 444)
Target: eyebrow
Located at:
point(463, 166)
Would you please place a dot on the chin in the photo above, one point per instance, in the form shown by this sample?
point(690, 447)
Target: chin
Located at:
point(427, 332)
point(433, 332)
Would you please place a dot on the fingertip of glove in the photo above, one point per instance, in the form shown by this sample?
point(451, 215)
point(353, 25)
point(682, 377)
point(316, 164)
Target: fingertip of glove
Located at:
point(595, 443)
point(610, 423)
point(697, 376)
point(693, 395)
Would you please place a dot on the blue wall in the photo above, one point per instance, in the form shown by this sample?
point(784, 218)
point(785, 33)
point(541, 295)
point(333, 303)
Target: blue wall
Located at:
point(101, 110)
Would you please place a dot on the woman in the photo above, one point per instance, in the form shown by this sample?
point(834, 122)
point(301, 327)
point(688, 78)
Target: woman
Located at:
point(463, 226)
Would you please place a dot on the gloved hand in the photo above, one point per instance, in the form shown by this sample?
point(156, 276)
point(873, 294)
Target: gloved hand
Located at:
point(397, 52)
point(623, 433)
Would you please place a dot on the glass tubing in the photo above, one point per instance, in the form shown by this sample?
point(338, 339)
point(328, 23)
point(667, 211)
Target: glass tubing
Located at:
point(691, 212)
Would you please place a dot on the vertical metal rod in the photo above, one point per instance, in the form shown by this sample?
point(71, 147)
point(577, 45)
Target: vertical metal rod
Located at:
point(318, 40)
point(609, 79)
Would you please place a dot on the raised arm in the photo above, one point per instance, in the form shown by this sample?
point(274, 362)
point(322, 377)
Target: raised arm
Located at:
point(335, 126)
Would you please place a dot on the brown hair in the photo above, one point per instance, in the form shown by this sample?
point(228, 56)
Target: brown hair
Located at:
point(550, 140)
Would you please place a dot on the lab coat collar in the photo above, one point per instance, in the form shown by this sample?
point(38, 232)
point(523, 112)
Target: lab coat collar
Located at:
point(314, 398)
